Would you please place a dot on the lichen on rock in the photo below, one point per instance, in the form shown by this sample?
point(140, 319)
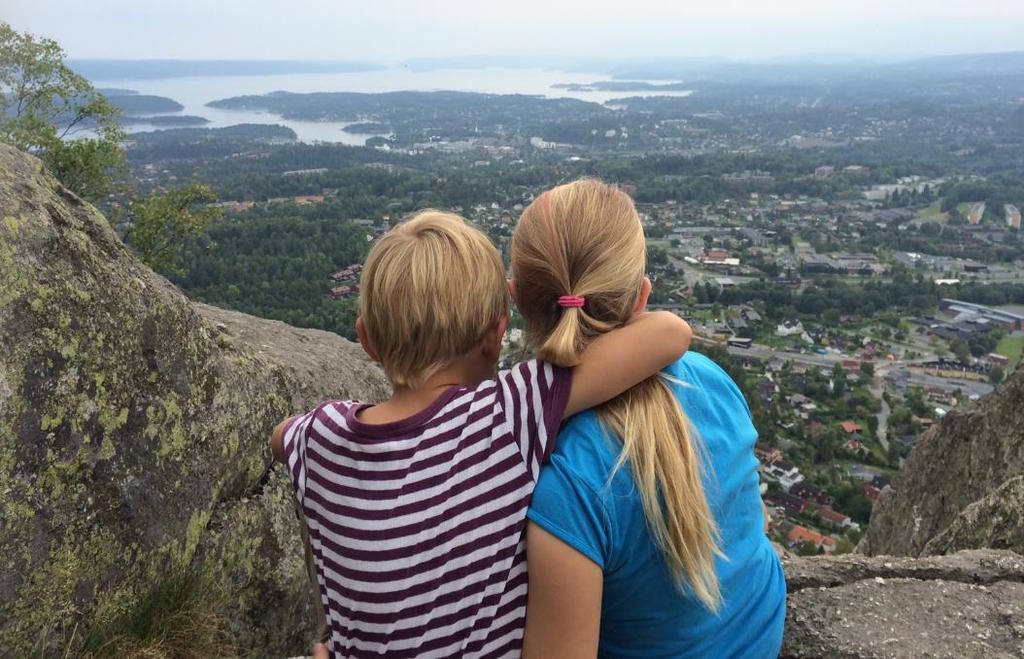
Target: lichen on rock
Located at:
point(133, 432)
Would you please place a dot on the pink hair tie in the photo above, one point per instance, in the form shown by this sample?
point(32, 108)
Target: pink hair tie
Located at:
point(571, 301)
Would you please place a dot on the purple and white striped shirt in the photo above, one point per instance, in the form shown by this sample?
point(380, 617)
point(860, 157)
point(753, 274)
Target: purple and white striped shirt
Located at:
point(416, 526)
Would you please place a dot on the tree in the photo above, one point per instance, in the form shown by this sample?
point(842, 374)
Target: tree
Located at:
point(996, 375)
point(43, 103)
point(960, 350)
point(160, 223)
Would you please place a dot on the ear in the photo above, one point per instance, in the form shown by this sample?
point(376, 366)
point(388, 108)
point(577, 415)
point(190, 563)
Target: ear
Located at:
point(643, 295)
point(492, 339)
point(364, 340)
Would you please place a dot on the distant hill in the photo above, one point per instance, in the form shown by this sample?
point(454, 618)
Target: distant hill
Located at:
point(816, 69)
point(985, 63)
point(138, 104)
point(148, 69)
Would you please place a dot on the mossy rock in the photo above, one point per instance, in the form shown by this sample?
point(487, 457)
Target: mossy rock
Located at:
point(133, 434)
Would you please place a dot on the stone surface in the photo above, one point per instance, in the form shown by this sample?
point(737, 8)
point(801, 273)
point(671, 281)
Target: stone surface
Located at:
point(134, 431)
point(969, 604)
point(948, 486)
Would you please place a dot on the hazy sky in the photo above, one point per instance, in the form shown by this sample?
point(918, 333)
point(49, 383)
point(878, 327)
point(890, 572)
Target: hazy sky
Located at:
point(397, 29)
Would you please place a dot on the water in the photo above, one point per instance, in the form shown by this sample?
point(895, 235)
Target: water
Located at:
point(195, 92)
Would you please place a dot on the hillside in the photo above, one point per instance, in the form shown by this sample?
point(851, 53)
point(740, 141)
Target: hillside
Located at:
point(962, 486)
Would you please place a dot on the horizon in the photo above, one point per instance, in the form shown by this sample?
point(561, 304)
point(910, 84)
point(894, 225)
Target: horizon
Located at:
point(390, 31)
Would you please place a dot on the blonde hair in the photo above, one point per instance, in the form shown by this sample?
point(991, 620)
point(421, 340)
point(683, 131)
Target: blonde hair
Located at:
point(431, 288)
point(585, 239)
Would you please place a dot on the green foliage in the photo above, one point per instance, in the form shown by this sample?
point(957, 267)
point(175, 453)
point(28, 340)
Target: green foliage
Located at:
point(161, 222)
point(276, 267)
point(807, 548)
point(996, 375)
point(42, 102)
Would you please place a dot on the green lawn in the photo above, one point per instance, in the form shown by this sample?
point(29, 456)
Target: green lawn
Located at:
point(1011, 347)
point(933, 213)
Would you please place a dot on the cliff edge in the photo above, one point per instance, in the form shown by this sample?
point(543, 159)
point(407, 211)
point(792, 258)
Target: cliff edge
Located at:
point(962, 487)
point(134, 426)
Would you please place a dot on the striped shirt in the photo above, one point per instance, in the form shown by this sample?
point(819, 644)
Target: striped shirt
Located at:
point(416, 526)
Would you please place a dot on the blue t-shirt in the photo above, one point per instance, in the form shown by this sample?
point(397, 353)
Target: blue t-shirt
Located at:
point(643, 613)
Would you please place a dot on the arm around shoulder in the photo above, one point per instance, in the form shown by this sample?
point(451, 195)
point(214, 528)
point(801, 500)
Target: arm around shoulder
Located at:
point(624, 357)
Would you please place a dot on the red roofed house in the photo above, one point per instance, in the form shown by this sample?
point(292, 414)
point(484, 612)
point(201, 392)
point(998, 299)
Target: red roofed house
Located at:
point(799, 535)
point(849, 427)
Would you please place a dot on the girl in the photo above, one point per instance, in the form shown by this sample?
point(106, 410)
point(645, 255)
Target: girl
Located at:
point(646, 534)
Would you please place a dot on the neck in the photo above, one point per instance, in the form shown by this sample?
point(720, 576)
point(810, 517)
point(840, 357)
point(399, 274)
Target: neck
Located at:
point(407, 401)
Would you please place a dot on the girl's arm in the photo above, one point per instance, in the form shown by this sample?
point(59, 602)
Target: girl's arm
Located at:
point(563, 613)
point(616, 361)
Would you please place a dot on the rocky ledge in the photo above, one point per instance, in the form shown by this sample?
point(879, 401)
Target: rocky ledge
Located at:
point(968, 604)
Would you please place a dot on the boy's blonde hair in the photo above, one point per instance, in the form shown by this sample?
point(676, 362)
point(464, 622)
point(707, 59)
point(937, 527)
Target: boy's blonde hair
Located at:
point(585, 239)
point(431, 288)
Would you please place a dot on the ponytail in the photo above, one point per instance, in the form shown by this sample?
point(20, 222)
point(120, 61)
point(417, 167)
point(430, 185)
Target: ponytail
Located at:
point(666, 462)
point(586, 238)
point(562, 346)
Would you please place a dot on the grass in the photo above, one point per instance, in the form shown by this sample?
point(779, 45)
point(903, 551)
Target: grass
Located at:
point(933, 213)
point(1011, 347)
point(176, 617)
point(965, 208)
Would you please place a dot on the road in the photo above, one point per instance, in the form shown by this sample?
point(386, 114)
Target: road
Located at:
point(877, 390)
point(765, 353)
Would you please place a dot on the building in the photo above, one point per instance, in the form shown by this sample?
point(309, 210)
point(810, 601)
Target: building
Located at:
point(996, 359)
point(1006, 319)
point(851, 428)
point(807, 491)
point(784, 473)
point(824, 171)
point(977, 212)
point(1012, 216)
point(798, 535)
point(789, 328)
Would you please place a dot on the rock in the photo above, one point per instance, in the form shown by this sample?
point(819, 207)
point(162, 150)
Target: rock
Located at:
point(960, 487)
point(997, 520)
point(134, 432)
point(969, 604)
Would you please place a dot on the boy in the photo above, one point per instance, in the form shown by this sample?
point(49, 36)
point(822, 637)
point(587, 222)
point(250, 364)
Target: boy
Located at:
point(416, 507)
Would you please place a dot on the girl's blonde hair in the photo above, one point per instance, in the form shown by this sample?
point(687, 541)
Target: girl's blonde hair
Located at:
point(585, 239)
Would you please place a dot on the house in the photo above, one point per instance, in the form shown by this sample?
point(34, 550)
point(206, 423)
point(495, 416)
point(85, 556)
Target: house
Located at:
point(344, 291)
point(798, 535)
point(851, 428)
point(767, 455)
point(870, 491)
point(836, 519)
point(808, 491)
point(996, 359)
point(789, 328)
point(855, 446)
point(785, 474)
point(790, 505)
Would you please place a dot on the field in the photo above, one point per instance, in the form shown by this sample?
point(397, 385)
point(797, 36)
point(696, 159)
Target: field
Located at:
point(933, 213)
point(1012, 347)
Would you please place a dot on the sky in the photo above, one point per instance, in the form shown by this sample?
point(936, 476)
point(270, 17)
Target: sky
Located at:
point(394, 30)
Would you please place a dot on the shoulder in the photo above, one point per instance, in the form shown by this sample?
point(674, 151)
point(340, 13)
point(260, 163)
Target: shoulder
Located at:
point(696, 367)
point(703, 383)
